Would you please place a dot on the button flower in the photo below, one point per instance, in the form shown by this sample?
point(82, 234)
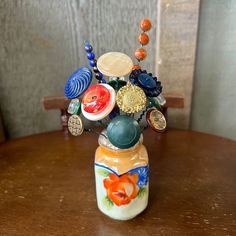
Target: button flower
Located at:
point(150, 85)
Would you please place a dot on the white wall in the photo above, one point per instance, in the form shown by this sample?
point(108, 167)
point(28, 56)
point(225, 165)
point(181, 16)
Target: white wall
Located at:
point(214, 96)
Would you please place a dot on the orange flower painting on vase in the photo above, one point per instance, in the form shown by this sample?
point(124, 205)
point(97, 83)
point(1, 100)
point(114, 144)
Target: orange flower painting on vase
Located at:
point(121, 190)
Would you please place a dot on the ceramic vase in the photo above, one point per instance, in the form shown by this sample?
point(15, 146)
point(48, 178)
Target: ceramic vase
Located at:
point(122, 179)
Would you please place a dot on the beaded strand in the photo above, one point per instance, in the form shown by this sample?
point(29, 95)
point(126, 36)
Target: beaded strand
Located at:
point(140, 53)
point(93, 62)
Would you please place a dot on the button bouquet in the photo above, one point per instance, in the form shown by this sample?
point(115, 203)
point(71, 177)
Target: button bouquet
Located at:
point(123, 95)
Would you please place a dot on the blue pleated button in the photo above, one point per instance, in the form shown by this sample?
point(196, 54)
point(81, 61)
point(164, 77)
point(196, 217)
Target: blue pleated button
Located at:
point(78, 82)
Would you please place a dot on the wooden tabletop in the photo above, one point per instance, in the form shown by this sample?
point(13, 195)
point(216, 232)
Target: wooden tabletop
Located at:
point(47, 187)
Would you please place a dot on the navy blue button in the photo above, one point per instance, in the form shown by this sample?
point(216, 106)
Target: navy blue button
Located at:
point(146, 81)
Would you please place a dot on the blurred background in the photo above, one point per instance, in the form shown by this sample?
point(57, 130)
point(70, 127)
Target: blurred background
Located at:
point(192, 49)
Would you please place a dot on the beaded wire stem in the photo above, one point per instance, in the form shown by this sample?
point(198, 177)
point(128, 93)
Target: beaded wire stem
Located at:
point(93, 62)
point(140, 53)
point(95, 132)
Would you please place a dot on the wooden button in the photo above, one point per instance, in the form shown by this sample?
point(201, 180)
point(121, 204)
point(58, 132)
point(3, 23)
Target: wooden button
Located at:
point(115, 64)
point(75, 125)
point(156, 120)
point(131, 98)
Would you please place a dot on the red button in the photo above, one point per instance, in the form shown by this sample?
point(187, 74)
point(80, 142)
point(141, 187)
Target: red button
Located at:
point(96, 98)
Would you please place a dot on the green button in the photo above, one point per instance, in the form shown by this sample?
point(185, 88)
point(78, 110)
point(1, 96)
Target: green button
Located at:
point(123, 132)
point(117, 84)
point(74, 107)
point(154, 103)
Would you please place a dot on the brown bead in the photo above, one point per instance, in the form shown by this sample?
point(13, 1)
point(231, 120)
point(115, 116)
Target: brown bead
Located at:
point(143, 39)
point(140, 54)
point(136, 67)
point(145, 24)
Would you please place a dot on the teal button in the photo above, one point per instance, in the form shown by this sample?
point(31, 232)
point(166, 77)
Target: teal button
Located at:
point(123, 132)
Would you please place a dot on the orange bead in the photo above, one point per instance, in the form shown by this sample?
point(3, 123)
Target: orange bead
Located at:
point(140, 54)
point(145, 24)
point(136, 67)
point(143, 38)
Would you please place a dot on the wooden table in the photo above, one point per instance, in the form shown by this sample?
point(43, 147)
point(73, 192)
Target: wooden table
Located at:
point(47, 187)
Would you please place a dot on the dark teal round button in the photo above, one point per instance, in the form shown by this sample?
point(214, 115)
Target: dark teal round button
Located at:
point(123, 132)
point(146, 81)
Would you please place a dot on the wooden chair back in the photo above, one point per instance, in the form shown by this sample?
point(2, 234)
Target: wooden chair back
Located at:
point(61, 103)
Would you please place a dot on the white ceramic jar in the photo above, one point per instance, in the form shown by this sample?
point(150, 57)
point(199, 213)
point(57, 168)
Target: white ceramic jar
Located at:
point(122, 179)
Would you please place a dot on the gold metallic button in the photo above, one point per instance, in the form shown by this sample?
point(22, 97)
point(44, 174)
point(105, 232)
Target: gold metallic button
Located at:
point(131, 98)
point(156, 120)
point(75, 125)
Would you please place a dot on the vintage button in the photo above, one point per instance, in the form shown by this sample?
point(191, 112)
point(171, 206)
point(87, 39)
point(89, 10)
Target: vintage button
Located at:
point(106, 110)
point(131, 98)
point(161, 99)
point(123, 132)
point(140, 54)
point(74, 106)
point(78, 82)
point(117, 84)
point(96, 98)
point(150, 85)
point(143, 39)
point(145, 24)
point(156, 120)
point(147, 81)
point(75, 125)
point(154, 103)
point(115, 64)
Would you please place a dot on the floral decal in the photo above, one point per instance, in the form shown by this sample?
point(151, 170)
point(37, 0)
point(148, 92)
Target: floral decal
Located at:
point(143, 173)
point(121, 190)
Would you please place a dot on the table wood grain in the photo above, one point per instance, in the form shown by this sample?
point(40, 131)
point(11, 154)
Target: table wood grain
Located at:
point(47, 187)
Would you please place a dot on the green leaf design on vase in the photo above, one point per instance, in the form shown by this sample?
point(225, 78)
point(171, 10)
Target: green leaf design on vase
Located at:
point(142, 191)
point(107, 202)
point(103, 172)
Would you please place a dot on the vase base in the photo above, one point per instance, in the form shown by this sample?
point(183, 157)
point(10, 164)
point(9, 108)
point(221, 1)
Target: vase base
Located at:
point(120, 217)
